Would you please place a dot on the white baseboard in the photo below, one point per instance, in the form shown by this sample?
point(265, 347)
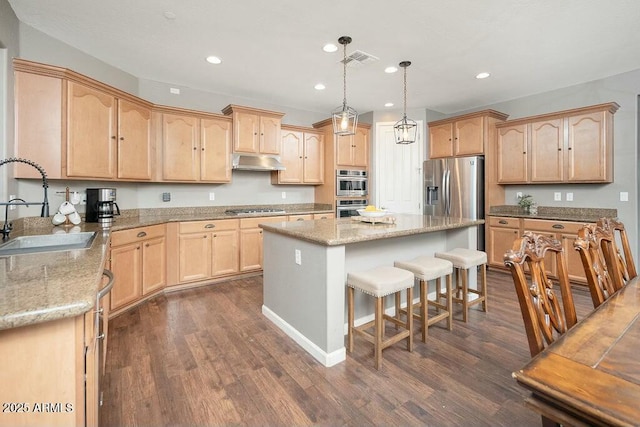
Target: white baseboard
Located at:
point(327, 359)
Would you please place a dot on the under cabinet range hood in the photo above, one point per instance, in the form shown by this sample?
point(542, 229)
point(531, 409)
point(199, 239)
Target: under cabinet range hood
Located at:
point(256, 162)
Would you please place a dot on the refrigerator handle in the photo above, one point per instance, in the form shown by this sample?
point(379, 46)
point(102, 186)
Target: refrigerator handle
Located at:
point(447, 192)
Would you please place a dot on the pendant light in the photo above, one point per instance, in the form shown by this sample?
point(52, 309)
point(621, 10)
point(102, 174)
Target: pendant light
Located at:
point(345, 118)
point(406, 130)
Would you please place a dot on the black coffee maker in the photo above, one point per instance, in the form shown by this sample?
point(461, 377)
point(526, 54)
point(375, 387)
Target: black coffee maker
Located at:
point(101, 206)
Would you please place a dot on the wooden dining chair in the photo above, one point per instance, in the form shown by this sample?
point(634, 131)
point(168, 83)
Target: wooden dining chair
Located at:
point(545, 316)
point(596, 245)
point(624, 257)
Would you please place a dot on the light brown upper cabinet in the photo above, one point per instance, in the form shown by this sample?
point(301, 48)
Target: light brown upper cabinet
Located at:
point(353, 150)
point(195, 148)
point(302, 156)
point(78, 128)
point(567, 146)
point(464, 135)
point(255, 131)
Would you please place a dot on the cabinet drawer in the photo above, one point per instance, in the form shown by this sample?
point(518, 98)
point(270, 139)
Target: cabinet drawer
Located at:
point(552, 226)
point(124, 237)
point(502, 221)
point(253, 222)
point(200, 226)
point(300, 217)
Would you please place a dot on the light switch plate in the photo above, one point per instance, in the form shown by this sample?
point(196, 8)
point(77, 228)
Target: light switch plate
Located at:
point(212, 196)
point(624, 196)
point(569, 197)
point(557, 196)
point(298, 256)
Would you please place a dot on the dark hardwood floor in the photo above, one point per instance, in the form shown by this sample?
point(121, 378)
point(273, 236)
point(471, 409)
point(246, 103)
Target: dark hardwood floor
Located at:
point(207, 356)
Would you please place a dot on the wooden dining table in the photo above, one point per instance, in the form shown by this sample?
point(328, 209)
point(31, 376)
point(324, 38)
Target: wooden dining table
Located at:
point(592, 373)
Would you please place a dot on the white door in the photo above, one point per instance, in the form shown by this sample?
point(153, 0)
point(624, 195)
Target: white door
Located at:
point(398, 172)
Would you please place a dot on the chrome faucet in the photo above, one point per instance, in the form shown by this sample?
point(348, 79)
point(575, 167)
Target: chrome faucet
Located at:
point(44, 212)
point(7, 227)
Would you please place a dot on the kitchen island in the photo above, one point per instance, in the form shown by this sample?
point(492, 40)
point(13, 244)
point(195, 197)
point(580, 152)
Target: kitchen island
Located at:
point(306, 265)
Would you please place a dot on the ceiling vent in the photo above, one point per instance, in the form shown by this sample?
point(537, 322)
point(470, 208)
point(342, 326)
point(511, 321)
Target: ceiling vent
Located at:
point(358, 58)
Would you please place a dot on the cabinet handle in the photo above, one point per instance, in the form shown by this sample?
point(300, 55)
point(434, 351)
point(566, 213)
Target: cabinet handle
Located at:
point(557, 226)
point(202, 148)
point(122, 138)
point(113, 137)
point(195, 148)
point(210, 226)
point(147, 245)
point(524, 152)
point(204, 237)
point(100, 337)
point(569, 148)
point(502, 221)
point(559, 149)
point(142, 234)
point(300, 219)
point(137, 248)
point(300, 156)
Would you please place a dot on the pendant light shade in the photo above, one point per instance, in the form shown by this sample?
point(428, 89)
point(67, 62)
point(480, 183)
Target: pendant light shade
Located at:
point(405, 130)
point(345, 118)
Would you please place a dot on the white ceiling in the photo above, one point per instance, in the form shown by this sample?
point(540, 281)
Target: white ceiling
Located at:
point(272, 50)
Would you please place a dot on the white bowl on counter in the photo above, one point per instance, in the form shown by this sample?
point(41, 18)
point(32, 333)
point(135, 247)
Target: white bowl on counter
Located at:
point(372, 214)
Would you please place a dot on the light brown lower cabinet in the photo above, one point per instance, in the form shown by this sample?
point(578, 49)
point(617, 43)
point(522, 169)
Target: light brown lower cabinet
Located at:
point(504, 230)
point(138, 262)
point(207, 249)
point(251, 241)
point(50, 373)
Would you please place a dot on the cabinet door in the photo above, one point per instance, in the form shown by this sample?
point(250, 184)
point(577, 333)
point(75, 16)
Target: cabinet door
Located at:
point(500, 241)
point(441, 141)
point(154, 265)
point(195, 257)
point(225, 252)
point(245, 132)
point(512, 154)
point(134, 141)
point(180, 157)
point(588, 154)
point(126, 265)
point(250, 249)
point(469, 136)
point(215, 150)
point(292, 158)
point(574, 263)
point(91, 133)
point(39, 121)
point(313, 171)
point(546, 153)
point(361, 148)
point(344, 150)
point(270, 135)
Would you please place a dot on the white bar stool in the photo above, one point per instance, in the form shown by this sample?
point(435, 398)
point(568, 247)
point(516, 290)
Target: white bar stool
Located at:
point(380, 282)
point(428, 268)
point(463, 260)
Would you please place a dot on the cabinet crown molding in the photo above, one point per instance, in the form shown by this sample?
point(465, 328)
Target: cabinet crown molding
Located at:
point(329, 121)
point(239, 108)
point(610, 107)
point(488, 113)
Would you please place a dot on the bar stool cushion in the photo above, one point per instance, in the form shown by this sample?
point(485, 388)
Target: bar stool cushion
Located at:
point(464, 258)
point(426, 267)
point(381, 281)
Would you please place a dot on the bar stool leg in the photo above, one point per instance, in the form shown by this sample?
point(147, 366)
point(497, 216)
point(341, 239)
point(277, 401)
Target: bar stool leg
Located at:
point(484, 286)
point(398, 309)
point(424, 312)
point(350, 314)
point(449, 302)
point(409, 324)
point(379, 323)
point(465, 294)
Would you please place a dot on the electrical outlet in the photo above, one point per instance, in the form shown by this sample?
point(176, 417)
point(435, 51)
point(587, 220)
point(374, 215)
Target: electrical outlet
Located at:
point(519, 194)
point(11, 197)
point(284, 194)
point(557, 196)
point(298, 256)
point(166, 197)
point(624, 196)
point(212, 196)
point(569, 197)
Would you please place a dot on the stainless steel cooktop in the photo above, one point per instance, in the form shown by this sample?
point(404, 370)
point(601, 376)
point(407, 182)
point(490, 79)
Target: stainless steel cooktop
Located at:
point(254, 211)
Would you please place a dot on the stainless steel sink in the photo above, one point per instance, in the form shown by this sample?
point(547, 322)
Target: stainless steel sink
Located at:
point(47, 243)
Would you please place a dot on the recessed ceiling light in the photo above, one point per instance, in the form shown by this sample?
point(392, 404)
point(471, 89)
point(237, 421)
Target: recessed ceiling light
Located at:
point(213, 60)
point(319, 86)
point(482, 75)
point(330, 47)
point(169, 15)
point(389, 104)
point(390, 70)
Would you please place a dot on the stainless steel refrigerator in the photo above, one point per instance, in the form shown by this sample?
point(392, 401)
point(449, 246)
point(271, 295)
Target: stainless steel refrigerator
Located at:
point(454, 187)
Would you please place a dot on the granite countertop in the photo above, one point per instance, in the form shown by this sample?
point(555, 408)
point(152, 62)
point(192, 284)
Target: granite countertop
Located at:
point(46, 286)
point(342, 231)
point(555, 213)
